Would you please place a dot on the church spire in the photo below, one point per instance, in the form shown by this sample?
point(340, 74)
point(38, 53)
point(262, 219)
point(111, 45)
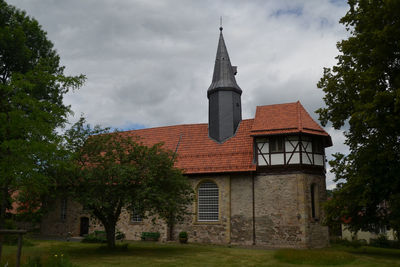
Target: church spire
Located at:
point(224, 103)
point(224, 73)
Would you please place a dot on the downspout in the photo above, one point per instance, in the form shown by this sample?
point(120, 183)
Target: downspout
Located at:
point(254, 211)
point(171, 221)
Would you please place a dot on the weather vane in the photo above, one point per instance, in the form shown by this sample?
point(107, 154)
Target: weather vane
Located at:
point(220, 23)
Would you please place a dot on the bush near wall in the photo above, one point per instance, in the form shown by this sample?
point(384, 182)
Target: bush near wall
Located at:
point(101, 237)
point(383, 242)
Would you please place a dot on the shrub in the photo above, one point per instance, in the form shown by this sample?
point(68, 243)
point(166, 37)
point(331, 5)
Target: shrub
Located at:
point(119, 235)
point(95, 237)
point(35, 262)
point(353, 243)
point(57, 260)
point(183, 235)
point(101, 237)
point(383, 242)
point(150, 236)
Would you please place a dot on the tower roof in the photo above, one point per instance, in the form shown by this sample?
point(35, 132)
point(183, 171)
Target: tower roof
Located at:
point(286, 119)
point(223, 77)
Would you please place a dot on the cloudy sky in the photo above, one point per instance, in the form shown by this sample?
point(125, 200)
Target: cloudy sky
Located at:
point(149, 62)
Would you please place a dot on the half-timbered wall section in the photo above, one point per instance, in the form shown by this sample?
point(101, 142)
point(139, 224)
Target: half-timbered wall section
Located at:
point(289, 149)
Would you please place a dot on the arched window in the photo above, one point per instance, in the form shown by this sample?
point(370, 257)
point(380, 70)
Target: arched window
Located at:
point(207, 202)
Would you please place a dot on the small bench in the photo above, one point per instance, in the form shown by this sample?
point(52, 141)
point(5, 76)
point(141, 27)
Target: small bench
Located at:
point(150, 236)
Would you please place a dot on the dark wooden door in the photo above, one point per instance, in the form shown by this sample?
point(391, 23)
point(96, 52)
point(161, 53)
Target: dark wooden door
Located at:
point(84, 226)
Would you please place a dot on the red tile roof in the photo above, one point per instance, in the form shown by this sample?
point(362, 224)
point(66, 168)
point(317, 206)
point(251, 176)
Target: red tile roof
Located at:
point(198, 153)
point(283, 119)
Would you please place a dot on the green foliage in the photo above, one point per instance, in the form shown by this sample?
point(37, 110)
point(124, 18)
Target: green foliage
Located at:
point(12, 239)
point(115, 170)
point(33, 262)
point(150, 236)
point(119, 235)
point(383, 242)
point(32, 86)
point(314, 257)
point(59, 260)
point(362, 93)
point(101, 237)
point(353, 243)
point(56, 260)
point(95, 237)
point(183, 235)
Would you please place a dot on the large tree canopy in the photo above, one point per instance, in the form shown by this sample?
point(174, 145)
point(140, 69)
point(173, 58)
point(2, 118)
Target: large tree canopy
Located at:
point(32, 86)
point(362, 93)
point(115, 171)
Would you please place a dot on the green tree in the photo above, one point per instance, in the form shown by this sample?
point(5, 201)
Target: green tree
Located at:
point(168, 196)
point(362, 94)
point(113, 171)
point(32, 86)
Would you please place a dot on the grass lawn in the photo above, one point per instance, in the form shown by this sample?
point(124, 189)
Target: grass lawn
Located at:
point(157, 254)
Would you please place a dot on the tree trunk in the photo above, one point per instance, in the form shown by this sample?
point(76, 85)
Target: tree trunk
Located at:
point(110, 233)
point(170, 225)
point(170, 232)
point(3, 207)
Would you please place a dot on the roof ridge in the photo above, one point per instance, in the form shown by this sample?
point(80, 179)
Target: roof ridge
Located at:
point(167, 126)
point(299, 117)
point(311, 129)
point(176, 125)
point(270, 130)
point(288, 103)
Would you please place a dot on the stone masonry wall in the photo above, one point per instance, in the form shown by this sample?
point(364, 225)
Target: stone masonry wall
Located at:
point(133, 230)
point(53, 225)
point(279, 210)
point(241, 209)
point(209, 232)
point(317, 235)
point(202, 232)
point(282, 213)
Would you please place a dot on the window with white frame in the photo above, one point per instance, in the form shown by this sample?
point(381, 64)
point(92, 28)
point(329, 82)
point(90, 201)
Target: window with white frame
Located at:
point(136, 216)
point(208, 198)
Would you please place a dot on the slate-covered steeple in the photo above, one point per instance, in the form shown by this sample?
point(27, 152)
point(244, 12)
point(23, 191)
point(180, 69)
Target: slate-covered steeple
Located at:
point(225, 111)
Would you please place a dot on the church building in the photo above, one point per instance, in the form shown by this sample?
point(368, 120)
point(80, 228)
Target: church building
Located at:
point(258, 181)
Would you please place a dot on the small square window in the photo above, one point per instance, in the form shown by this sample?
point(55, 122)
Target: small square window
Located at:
point(317, 146)
point(276, 144)
point(136, 216)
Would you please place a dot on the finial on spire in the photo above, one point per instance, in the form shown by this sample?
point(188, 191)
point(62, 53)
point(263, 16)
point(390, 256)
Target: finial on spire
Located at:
point(220, 24)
